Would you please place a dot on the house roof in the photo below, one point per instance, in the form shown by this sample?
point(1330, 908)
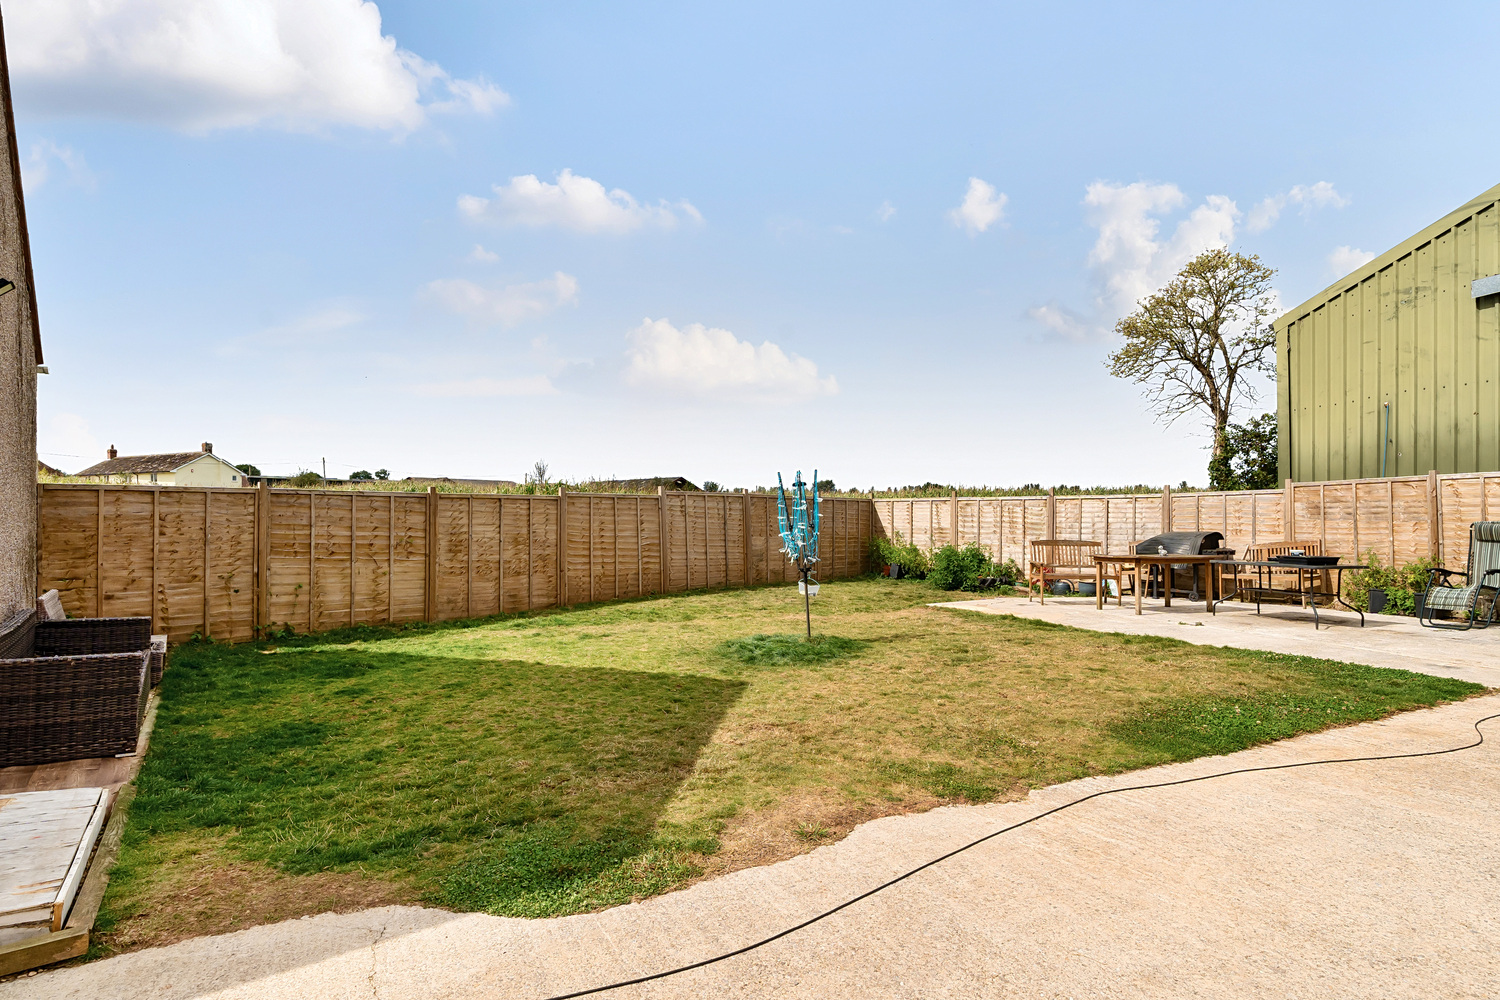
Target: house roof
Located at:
point(49, 470)
point(147, 463)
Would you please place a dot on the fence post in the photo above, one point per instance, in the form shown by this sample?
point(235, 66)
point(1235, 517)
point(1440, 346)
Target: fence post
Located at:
point(661, 531)
point(953, 519)
point(158, 618)
point(562, 546)
point(1166, 508)
point(430, 601)
point(1051, 512)
point(1289, 512)
point(745, 532)
point(1434, 515)
point(262, 558)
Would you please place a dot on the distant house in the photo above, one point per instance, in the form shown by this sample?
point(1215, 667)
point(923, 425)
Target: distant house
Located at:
point(185, 468)
point(44, 469)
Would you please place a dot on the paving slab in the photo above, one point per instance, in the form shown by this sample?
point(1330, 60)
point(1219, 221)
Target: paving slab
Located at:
point(1341, 880)
point(1384, 641)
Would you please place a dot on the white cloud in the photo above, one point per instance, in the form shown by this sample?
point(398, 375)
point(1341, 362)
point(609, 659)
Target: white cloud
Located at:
point(526, 385)
point(982, 207)
point(578, 203)
point(701, 361)
point(1128, 259)
point(1307, 198)
point(506, 306)
point(210, 64)
point(480, 255)
point(885, 211)
point(1346, 260)
point(46, 156)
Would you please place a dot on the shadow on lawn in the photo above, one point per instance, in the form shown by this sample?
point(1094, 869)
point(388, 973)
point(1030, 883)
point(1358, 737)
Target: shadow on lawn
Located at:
point(518, 788)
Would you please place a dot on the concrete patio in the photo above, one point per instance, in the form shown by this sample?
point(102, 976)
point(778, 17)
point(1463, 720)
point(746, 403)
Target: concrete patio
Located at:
point(1385, 641)
point(1344, 880)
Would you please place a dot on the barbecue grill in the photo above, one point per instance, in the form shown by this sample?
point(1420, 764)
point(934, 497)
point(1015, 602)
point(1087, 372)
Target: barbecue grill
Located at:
point(1191, 543)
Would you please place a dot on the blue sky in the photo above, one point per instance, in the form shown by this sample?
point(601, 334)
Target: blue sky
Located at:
point(888, 241)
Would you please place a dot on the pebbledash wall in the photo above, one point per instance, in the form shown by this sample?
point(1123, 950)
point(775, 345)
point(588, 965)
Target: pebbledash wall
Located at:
point(227, 562)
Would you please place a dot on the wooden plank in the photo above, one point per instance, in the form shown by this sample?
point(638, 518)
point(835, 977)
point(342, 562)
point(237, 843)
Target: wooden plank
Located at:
point(1434, 515)
point(562, 547)
point(207, 563)
point(353, 549)
point(469, 563)
point(312, 562)
point(99, 555)
point(84, 849)
point(155, 555)
point(429, 612)
point(500, 553)
point(661, 519)
point(390, 563)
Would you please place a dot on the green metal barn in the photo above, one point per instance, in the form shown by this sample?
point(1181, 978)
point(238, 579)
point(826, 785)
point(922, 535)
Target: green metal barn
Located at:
point(1394, 370)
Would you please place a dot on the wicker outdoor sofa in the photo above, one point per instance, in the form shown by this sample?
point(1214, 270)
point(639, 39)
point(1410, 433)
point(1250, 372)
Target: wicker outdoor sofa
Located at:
point(72, 689)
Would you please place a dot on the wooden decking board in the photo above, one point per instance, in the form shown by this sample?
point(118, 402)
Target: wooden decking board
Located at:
point(45, 842)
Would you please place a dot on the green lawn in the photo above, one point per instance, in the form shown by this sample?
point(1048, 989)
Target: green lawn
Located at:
point(570, 760)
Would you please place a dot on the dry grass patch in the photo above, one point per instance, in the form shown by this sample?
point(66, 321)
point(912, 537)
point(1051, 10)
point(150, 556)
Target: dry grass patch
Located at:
point(199, 887)
point(570, 760)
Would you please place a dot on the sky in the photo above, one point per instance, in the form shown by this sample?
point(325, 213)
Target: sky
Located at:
point(889, 241)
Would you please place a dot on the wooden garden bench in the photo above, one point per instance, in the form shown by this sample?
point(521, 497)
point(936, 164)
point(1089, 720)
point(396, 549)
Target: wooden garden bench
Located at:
point(1061, 559)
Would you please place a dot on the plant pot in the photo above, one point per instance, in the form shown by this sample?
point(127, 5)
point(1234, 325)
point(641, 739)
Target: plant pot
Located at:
point(893, 571)
point(1086, 589)
point(1377, 600)
point(1061, 588)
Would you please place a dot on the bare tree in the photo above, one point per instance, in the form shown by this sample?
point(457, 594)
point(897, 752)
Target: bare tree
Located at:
point(1196, 342)
point(539, 473)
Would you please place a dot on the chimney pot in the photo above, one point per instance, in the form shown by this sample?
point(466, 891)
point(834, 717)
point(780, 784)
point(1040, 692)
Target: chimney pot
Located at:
point(112, 453)
point(208, 447)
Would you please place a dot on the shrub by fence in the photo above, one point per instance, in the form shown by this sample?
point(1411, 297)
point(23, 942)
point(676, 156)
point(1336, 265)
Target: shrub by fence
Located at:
point(227, 562)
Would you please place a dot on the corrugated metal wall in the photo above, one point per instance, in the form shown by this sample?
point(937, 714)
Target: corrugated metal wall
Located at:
point(1406, 330)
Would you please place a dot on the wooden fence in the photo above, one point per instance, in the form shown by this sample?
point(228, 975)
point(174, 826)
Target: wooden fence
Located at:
point(1400, 519)
point(225, 562)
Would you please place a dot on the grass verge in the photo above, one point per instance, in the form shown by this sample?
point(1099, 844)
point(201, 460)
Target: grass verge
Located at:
point(570, 760)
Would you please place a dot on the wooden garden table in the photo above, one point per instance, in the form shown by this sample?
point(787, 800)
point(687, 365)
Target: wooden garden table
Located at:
point(1140, 561)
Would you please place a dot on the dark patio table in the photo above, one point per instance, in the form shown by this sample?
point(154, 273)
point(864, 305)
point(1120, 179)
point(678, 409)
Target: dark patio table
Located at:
point(1263, 571)
point(1141, 561)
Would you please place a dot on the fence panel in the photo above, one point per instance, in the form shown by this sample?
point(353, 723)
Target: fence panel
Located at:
point(223, 562)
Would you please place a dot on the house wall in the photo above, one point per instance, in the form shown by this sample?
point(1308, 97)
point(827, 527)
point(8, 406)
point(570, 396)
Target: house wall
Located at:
point(18, 361)
point(1405, 331)
point(205, 471)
